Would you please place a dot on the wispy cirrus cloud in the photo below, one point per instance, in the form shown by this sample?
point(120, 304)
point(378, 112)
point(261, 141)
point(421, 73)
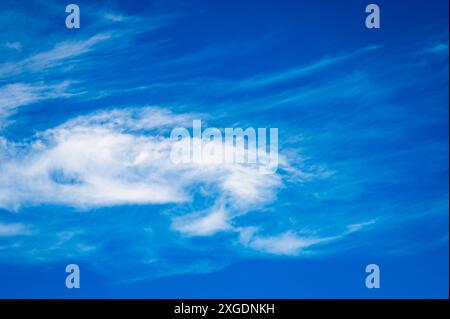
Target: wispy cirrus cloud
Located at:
point(439, 48)
point(96, 184)
point(110, 165)
point(13, 229)
point(286, 243)
point(41, 74)
point(118, 157)
point(13, 46)
point(204, 223)
point(59, 54)
point(262, 81)
point(13, 96)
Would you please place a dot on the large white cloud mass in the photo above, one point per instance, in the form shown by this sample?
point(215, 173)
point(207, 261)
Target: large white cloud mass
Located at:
point(122, 157)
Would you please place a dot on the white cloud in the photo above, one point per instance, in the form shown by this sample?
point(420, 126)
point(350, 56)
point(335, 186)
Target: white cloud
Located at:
point(130, 119)
point(59, 54)
point(8, 230)
point(16, 46)
point(203, 224)
point(119, 156)
point(114, 17)
point(440, 48)
point(291, 243)
point(64, 51)
point(16, 95)
point(269, 79)
point(105, 159)
point(287, 243)
point(358, 226)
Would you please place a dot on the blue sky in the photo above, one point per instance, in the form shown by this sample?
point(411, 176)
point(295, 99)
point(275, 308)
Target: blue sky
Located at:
point(85, 178)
